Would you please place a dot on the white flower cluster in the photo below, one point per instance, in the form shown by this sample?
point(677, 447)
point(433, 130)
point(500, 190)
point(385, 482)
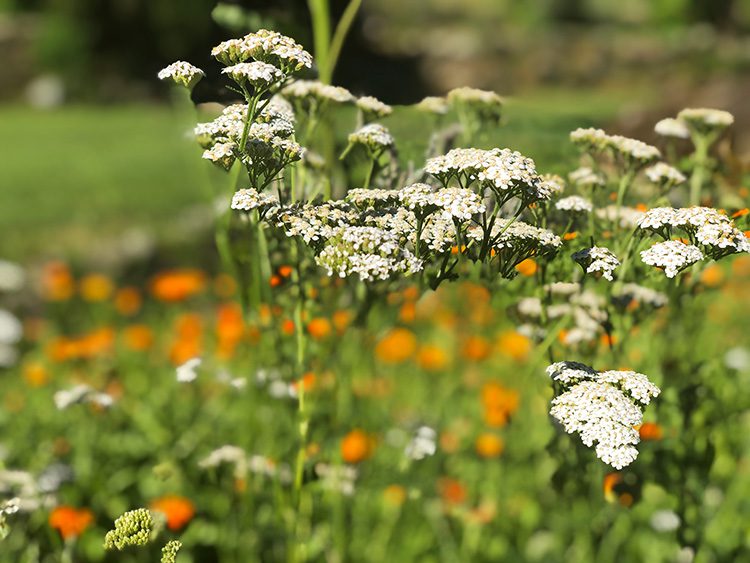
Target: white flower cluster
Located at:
point(672, 256)
point(554, 184)
point(304, 90)
point(259, 74)
point(266, 46)
point(422, 445)
point(182, 73)
point(433, 104)
point(221, 154)
point(585, 177)
point(519, 235)
point(574, 204)
point(507, 173)
point(597, 260)
point(374, 136)
point(704, 121)
point(628, 216)
point(315, 223)
point(644, 296)
point(664, 175)
point(370, 252)
point(249, 198)
point(631, 150)
point(459, 203)
point(81, 393)
point(713, 231)
point(371, 107)
point(603, 408)
point(277, 109)
point(363, 197)
point(475, 96)
point(671, 127)
point(337, 478)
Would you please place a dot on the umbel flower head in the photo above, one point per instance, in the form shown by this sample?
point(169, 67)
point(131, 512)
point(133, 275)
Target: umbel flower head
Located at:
point(705, 122)
point(374, 136)
point(433, 104)
point(574, 204)
point(131, 529)
point(182, 74)
point(631, 153)
point(597, 260)
point(672, 256)
point(372, 108)
point(266, 46)
point(259, 75)
point(306, 91)
point(371, 253)
point(484, 103)
point(664, 175)
point(602, 408)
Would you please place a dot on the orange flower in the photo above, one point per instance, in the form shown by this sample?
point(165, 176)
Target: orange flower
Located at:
point(128, 301)
point(57, 282)
point(712, 276)
point(308, 381)
point(650, 431)
point(608, 340)
point(177, 285)
point(527, 267)
point(70, 522)
point(187, 342)
point(178, 510)
point(356, 446)
point(35, 374)
point(285, 271)
point(275, 281)
point(432, 358)
point(319, 328)
point(570, 236)
point(451, 490)
point(489, 445)
point(476, 349)
point(341, 320)
point(515, 345)
point(740, 213)
point(408, 312)
point(611, 480)
point(138, 337)
point(397, 346)
point(642, 207)
point(287, 327)
point(741, 266)
point(96, 288)
point(230, 327)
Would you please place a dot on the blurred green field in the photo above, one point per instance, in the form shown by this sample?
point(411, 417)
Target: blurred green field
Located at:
point(79, 172)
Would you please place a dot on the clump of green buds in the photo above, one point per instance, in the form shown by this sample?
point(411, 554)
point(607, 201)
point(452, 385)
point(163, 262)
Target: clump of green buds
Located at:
point(169, 551)
point(132, 528)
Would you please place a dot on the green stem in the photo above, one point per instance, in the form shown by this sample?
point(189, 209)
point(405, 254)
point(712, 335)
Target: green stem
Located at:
point(342, 30)
point(370, 171)
point(321, 24)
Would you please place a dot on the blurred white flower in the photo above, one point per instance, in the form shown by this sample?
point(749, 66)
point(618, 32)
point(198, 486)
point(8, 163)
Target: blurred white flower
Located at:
point(665, 521)
point(12, 276)
point(737, 358)
point(187, 372)
point(422, 445)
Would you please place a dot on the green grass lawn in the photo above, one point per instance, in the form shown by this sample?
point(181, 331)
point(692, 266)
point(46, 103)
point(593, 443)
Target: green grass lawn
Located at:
point(78, 174)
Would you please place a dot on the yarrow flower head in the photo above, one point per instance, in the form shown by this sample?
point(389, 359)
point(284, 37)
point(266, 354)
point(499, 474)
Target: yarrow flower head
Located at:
point(459, 203)
point(554, 183)
point(182, 74)
point(259, 75)
point(369, 252)
point(304, 91)
point(433, 104)
point(705, 122)
point(486, 104)
point(265, 46)
point(585, 177)
point(372, 108)
point(374, 136)
point(169, 551)
point(509, 174)
point(250, 198)
point(664, 175)
point(670, 127)
point(574, 204)
point(631, 152)
point(597, 260)
point(672, 256)
point(221, 154)
point(602, 408)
